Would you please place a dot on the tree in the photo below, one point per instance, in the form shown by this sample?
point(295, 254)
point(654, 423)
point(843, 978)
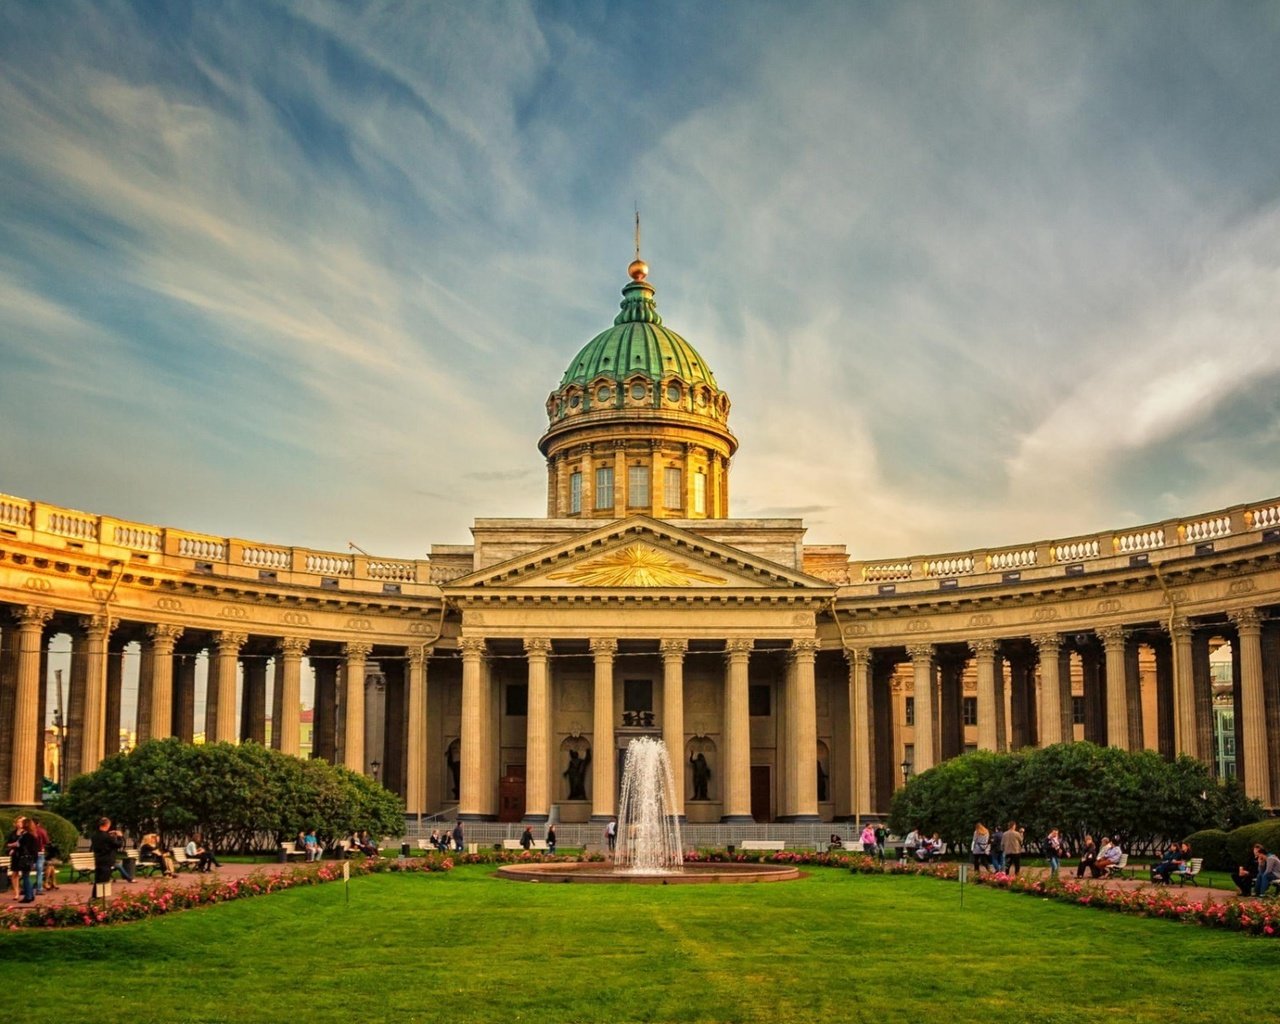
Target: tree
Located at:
point(243, 796)
point(1078, 788)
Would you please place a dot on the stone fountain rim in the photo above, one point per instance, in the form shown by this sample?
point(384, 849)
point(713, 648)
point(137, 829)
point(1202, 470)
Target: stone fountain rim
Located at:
point(700, 873)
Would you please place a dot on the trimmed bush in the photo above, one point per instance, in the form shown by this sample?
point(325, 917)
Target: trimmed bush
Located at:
point(60, 830)
point(1242, 839)
point(1211, 844)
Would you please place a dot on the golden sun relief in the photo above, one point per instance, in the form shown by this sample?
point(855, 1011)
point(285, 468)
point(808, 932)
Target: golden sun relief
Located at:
point(636, 565)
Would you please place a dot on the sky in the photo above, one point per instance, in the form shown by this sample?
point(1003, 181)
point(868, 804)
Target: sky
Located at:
point(973, 274)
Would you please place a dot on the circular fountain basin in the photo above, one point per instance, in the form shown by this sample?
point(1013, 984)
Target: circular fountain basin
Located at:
point(690, 874)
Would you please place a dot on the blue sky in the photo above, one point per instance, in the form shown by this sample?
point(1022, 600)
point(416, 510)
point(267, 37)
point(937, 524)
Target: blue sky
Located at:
point(972, 274)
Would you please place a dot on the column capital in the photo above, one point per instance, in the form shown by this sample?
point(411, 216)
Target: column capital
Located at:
point(31, 615)
point(1181, 628)
point(603, 647)
point(230, 643)
point(537, 648)
point(416, 656)
point(984, 648)
point(673, 648)
point(920, 652)
point(357, 649)
point(803, 649)
point(1247, 620)
point(96, 627)
point(738, 647)
point(293, 646)
point(472, 647)
point(1113, 636)
point(1048, 643)
point(162, 635)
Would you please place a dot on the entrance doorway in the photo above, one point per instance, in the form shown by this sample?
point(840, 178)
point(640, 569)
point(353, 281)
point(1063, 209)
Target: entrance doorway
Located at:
point(762, 792)
point(511, 794)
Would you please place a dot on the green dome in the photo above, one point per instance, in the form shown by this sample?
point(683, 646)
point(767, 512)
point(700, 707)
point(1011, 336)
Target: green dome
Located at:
point(638, 343)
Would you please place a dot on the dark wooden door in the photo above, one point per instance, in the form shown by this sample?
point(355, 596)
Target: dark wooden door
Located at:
point(511, 794)
point(762, 792)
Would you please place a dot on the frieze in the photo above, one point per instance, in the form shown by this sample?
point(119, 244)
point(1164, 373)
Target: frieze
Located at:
point(918, 626)
point(38, 583)
point(295, 619)
point(1045, 614)
point(984, 619)
point(1240, 587)
point(1108, 606)
point(169, 604)
point(361, 625)
point(232, 611)
point(421, 629)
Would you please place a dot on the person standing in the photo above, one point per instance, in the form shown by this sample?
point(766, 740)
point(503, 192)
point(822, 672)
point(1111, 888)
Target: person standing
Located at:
point(526, 838)
point(42, 844)
point(611, 835)
point(1011, 847)
point(551, 840)
point(1053, 850)
point(104, 847)
point(868, 840)
point(1088, 858)
point(997, 848)
point(882, 834)
point(457, 835)
point(11, 848)
point(980, 847)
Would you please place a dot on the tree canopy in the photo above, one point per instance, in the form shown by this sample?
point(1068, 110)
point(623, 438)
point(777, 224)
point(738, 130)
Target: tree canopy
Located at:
point(1077, 788)
point(243, 796)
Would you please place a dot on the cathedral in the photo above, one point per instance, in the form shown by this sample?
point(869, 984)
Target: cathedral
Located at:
point(502, 680)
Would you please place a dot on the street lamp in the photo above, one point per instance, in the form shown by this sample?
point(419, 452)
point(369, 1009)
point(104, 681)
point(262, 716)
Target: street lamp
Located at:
point(906, 771)
point(375, 765)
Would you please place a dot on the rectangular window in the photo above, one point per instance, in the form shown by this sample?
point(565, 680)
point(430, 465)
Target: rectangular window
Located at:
point(517, 700)
point(637, 703)
point(759, 700)
point(575, 492)
point(909, 712)
point(604, 487)
point(908, 760)
point(1077, 710)
point(700, 494)
point(673, 487)
point(969, 710)
point(638, 486)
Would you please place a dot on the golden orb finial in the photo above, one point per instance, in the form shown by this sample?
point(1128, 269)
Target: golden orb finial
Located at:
point(638, 270)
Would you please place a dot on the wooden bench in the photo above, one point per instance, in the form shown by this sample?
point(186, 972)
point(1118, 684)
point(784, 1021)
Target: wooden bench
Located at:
point(1188, 872)
point(181, 862)
point(81, 867)
point(1114, 870)
point(514, 844)
point(291, 849)
point(762, 844)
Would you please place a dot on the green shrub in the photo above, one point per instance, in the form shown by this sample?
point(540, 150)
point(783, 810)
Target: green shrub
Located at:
point(60, 830)
point(1242, 839)
point(1211, 844)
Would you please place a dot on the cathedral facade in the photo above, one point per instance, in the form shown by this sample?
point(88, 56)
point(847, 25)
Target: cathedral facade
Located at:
point(505, 678)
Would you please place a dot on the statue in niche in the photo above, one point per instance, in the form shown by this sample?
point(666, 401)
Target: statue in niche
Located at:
point(455, 767)
point(701, 775)
point(822, 783)
point(576, 773)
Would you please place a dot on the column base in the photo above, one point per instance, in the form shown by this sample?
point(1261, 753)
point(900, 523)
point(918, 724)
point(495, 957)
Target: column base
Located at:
point(800, 819)
point(737, 819)
point(535, 819)
point(472, 816)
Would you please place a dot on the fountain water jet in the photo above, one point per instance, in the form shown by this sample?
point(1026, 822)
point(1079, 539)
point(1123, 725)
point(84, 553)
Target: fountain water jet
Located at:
point(648, 826)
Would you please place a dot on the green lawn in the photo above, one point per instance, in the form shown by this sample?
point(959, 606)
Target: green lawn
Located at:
point(469, 947)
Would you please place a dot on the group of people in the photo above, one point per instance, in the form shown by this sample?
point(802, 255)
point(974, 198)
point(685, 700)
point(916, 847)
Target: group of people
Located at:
point(1259, 870)
point(446, 840)
point(33, 859)
point(527, 840)
point(998, 849)
point(309, 845)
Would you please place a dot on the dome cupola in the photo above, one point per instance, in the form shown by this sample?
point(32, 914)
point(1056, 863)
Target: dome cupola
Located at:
point(640, 398)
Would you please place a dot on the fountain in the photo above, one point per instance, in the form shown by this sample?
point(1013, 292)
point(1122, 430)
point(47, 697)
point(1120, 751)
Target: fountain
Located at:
point(649, 849)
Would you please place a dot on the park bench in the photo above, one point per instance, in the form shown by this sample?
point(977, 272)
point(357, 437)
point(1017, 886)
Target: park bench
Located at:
point(1188, 872)
point(1117, 869)
point(514, 844)
point(81, 867)
point(291, 849)
point(762, 844)
point(181, 862)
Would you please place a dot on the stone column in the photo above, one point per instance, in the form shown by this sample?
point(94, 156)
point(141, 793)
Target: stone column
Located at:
point(1051, 731)
point(220, 702)
point(286, 735)
point(253, 705)
point(588, 481)
point(324, 739)
point(537, 744)
point(96, 628)
point(673, 651)
point(861, 731)
point(802, 725)
point(604, 755)
point(656, 504)
point(77, 691)
point(1257, 756)
point(160, 642)
point(922, 672)
point(115, 685)
point(1113, 639)
point(415, 780)
point(736, 766)
point(184, 696)
point(24, 781)
point(353, 704)
point(951, 706)
point(984, 653)
point(620, 480)
point(1133, 696)
point(1184, 690)
point(470, 778)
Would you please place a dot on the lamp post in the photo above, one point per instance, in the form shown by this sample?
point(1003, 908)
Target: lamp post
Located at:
point(375, 765)
point(906, 772)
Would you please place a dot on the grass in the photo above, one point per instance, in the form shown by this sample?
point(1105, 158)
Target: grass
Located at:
point(469, 947)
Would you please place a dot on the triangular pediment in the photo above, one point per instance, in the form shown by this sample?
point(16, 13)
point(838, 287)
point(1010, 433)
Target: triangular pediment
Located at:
point(638, 554)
